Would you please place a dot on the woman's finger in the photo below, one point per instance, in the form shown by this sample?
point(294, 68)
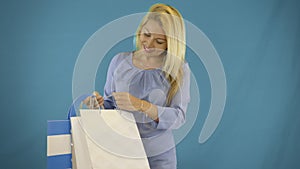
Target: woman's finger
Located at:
point(101, 102)
point(99, 99)
point(85, 101)
point(122, 96)
point(95, 93)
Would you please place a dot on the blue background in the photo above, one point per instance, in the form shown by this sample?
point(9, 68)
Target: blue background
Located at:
point(258, 43)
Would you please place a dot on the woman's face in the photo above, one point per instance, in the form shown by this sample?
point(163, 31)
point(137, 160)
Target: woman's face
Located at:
point(152, 38)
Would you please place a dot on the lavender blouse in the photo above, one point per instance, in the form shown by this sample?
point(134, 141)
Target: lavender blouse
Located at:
point(152, 86)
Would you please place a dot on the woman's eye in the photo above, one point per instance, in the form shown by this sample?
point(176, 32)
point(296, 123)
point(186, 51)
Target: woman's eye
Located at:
point(147, 34)
point(159, 42)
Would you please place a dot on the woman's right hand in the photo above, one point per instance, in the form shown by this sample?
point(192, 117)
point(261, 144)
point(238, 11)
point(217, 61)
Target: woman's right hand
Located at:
point(99, 101)
point(99, 98)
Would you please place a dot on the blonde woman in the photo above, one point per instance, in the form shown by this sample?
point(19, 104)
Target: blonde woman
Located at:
point(153, 83)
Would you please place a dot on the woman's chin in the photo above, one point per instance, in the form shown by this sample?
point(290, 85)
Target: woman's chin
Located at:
point(153, 53)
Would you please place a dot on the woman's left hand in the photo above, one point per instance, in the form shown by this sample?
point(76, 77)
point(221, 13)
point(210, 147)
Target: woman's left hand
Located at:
point(126, 101)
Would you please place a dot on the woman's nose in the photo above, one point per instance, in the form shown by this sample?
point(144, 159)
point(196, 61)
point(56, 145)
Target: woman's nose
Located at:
point(150, 43)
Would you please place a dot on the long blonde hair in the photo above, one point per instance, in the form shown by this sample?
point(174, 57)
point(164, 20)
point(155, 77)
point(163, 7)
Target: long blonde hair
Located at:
point(172, 23)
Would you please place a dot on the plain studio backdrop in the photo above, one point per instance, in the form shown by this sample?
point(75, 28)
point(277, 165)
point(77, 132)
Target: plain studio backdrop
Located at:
point(258, 43)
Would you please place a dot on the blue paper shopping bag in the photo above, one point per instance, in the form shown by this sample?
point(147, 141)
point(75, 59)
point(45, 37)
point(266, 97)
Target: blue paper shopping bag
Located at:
point(59, 142)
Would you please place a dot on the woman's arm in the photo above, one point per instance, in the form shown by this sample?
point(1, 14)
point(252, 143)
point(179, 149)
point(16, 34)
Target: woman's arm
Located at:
point(173, 116)
point(166, 117)
point(149, 109)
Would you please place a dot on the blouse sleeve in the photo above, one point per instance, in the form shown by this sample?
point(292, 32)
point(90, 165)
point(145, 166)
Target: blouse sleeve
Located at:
point(173, 117)
point(109, 86)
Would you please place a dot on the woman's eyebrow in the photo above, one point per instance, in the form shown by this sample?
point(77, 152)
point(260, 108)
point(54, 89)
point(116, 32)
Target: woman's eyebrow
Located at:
point(161, 39)
point(147, 30)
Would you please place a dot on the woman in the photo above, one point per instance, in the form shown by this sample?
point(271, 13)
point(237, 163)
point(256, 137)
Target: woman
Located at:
point(153, 82)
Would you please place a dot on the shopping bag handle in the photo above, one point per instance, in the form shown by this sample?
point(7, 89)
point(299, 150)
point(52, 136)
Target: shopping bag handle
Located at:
point(76, 103)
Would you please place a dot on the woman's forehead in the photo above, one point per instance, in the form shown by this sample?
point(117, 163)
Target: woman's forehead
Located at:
point(154, 27)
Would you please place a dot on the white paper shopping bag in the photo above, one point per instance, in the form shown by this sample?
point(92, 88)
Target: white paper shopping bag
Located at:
point(107, 139)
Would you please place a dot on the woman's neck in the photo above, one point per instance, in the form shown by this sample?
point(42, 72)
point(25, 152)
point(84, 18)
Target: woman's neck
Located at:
point(148, 61)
